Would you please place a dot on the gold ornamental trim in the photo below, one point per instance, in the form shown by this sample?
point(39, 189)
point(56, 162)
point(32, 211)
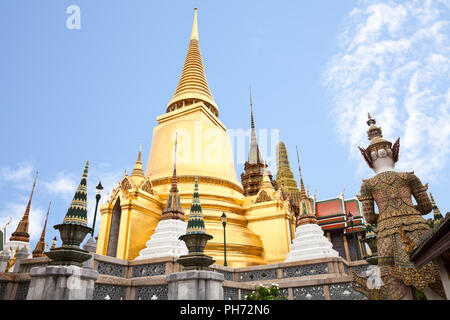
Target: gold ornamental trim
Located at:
point(207, 179)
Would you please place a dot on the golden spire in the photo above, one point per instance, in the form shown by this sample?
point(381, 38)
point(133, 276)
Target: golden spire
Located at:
point(138, 167)
point(193, 87)
point(194, 33)
point(40, 246)
point(21, 233)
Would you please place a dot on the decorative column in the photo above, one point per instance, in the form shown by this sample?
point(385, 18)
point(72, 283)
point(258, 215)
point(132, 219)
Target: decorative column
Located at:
point(196, 282)
point(347, 252)
point(4, 258)
point(65, 278)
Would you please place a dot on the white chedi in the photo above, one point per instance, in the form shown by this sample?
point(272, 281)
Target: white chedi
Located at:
point(310, 243)
point(164, 242)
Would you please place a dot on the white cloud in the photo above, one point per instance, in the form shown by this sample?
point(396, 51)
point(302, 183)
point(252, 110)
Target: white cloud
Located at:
point(394, 62)
point(21, 178)
point(63, 184)
point(16, 211)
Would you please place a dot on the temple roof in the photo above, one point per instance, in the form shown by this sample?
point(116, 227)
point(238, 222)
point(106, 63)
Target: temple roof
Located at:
point(193, 84)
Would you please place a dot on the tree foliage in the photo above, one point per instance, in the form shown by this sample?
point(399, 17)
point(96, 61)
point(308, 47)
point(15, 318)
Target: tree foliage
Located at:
point(266, 293)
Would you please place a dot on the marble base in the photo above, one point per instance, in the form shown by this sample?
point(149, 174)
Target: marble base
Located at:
point(164, 242)
point(4, 258)
point(61, 283)
point(310, 243)
point(195, 285)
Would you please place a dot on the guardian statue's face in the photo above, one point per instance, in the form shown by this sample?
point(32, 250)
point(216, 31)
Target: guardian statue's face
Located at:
point(382, 160)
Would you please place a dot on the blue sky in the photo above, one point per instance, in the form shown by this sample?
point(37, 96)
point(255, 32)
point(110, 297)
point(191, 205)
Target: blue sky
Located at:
point(316, 68)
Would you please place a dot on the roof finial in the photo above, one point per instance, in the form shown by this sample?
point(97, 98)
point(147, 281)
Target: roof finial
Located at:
point(138, 169)
point(175, 160)
point(252, 122)
point(173, 208)
point(302, 187)
point(174, 187)
point(40, 246)
point(194, 33)
point(193, 86)
point(21, 233)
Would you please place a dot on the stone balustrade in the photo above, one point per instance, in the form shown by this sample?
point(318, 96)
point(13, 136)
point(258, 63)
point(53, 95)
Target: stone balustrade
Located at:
point(318, 279)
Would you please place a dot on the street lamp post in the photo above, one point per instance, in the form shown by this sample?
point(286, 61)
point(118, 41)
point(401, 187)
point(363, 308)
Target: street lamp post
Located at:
point(224, 223)
point(99, 189)
point(350, 218)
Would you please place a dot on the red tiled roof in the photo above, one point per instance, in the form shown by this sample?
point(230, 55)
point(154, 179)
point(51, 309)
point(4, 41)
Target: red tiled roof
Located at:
point(329, 207)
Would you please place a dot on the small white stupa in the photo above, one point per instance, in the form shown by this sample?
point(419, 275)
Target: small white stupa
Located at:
point(164, 241)
point(310, 241)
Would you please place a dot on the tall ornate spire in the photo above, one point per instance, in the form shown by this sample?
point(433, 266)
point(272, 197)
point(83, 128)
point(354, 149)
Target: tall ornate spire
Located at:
point(138, 170)
point(304, 205)
point(195, 237)
point(302, 187)
point(21, 233)
point(193, 86)
point(254, 155)
point(437, 216)
point(73, 229)
point(77, 212)
point(284, 172)
point(40, 246)
point(173, 208)
point(196, 224)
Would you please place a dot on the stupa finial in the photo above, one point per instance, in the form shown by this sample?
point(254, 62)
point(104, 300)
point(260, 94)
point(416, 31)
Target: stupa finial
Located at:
point(194, 33)
point(40, 246)
point(173, 208)
point(138, 169)
point(302, 186)
point(77, 212)
point(21, 233)
point(193, 86)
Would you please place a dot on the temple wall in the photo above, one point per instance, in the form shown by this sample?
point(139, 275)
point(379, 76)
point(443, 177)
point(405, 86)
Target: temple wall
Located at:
point(140, 216)
point(270, 220)
point(319, 279)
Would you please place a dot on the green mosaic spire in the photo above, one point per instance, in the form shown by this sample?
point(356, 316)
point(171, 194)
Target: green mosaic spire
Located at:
point(196, 224)
point(437, 216)
point(77, 212)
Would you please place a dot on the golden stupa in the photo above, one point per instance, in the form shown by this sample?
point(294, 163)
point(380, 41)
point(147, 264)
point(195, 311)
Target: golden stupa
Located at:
point(259, 227)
